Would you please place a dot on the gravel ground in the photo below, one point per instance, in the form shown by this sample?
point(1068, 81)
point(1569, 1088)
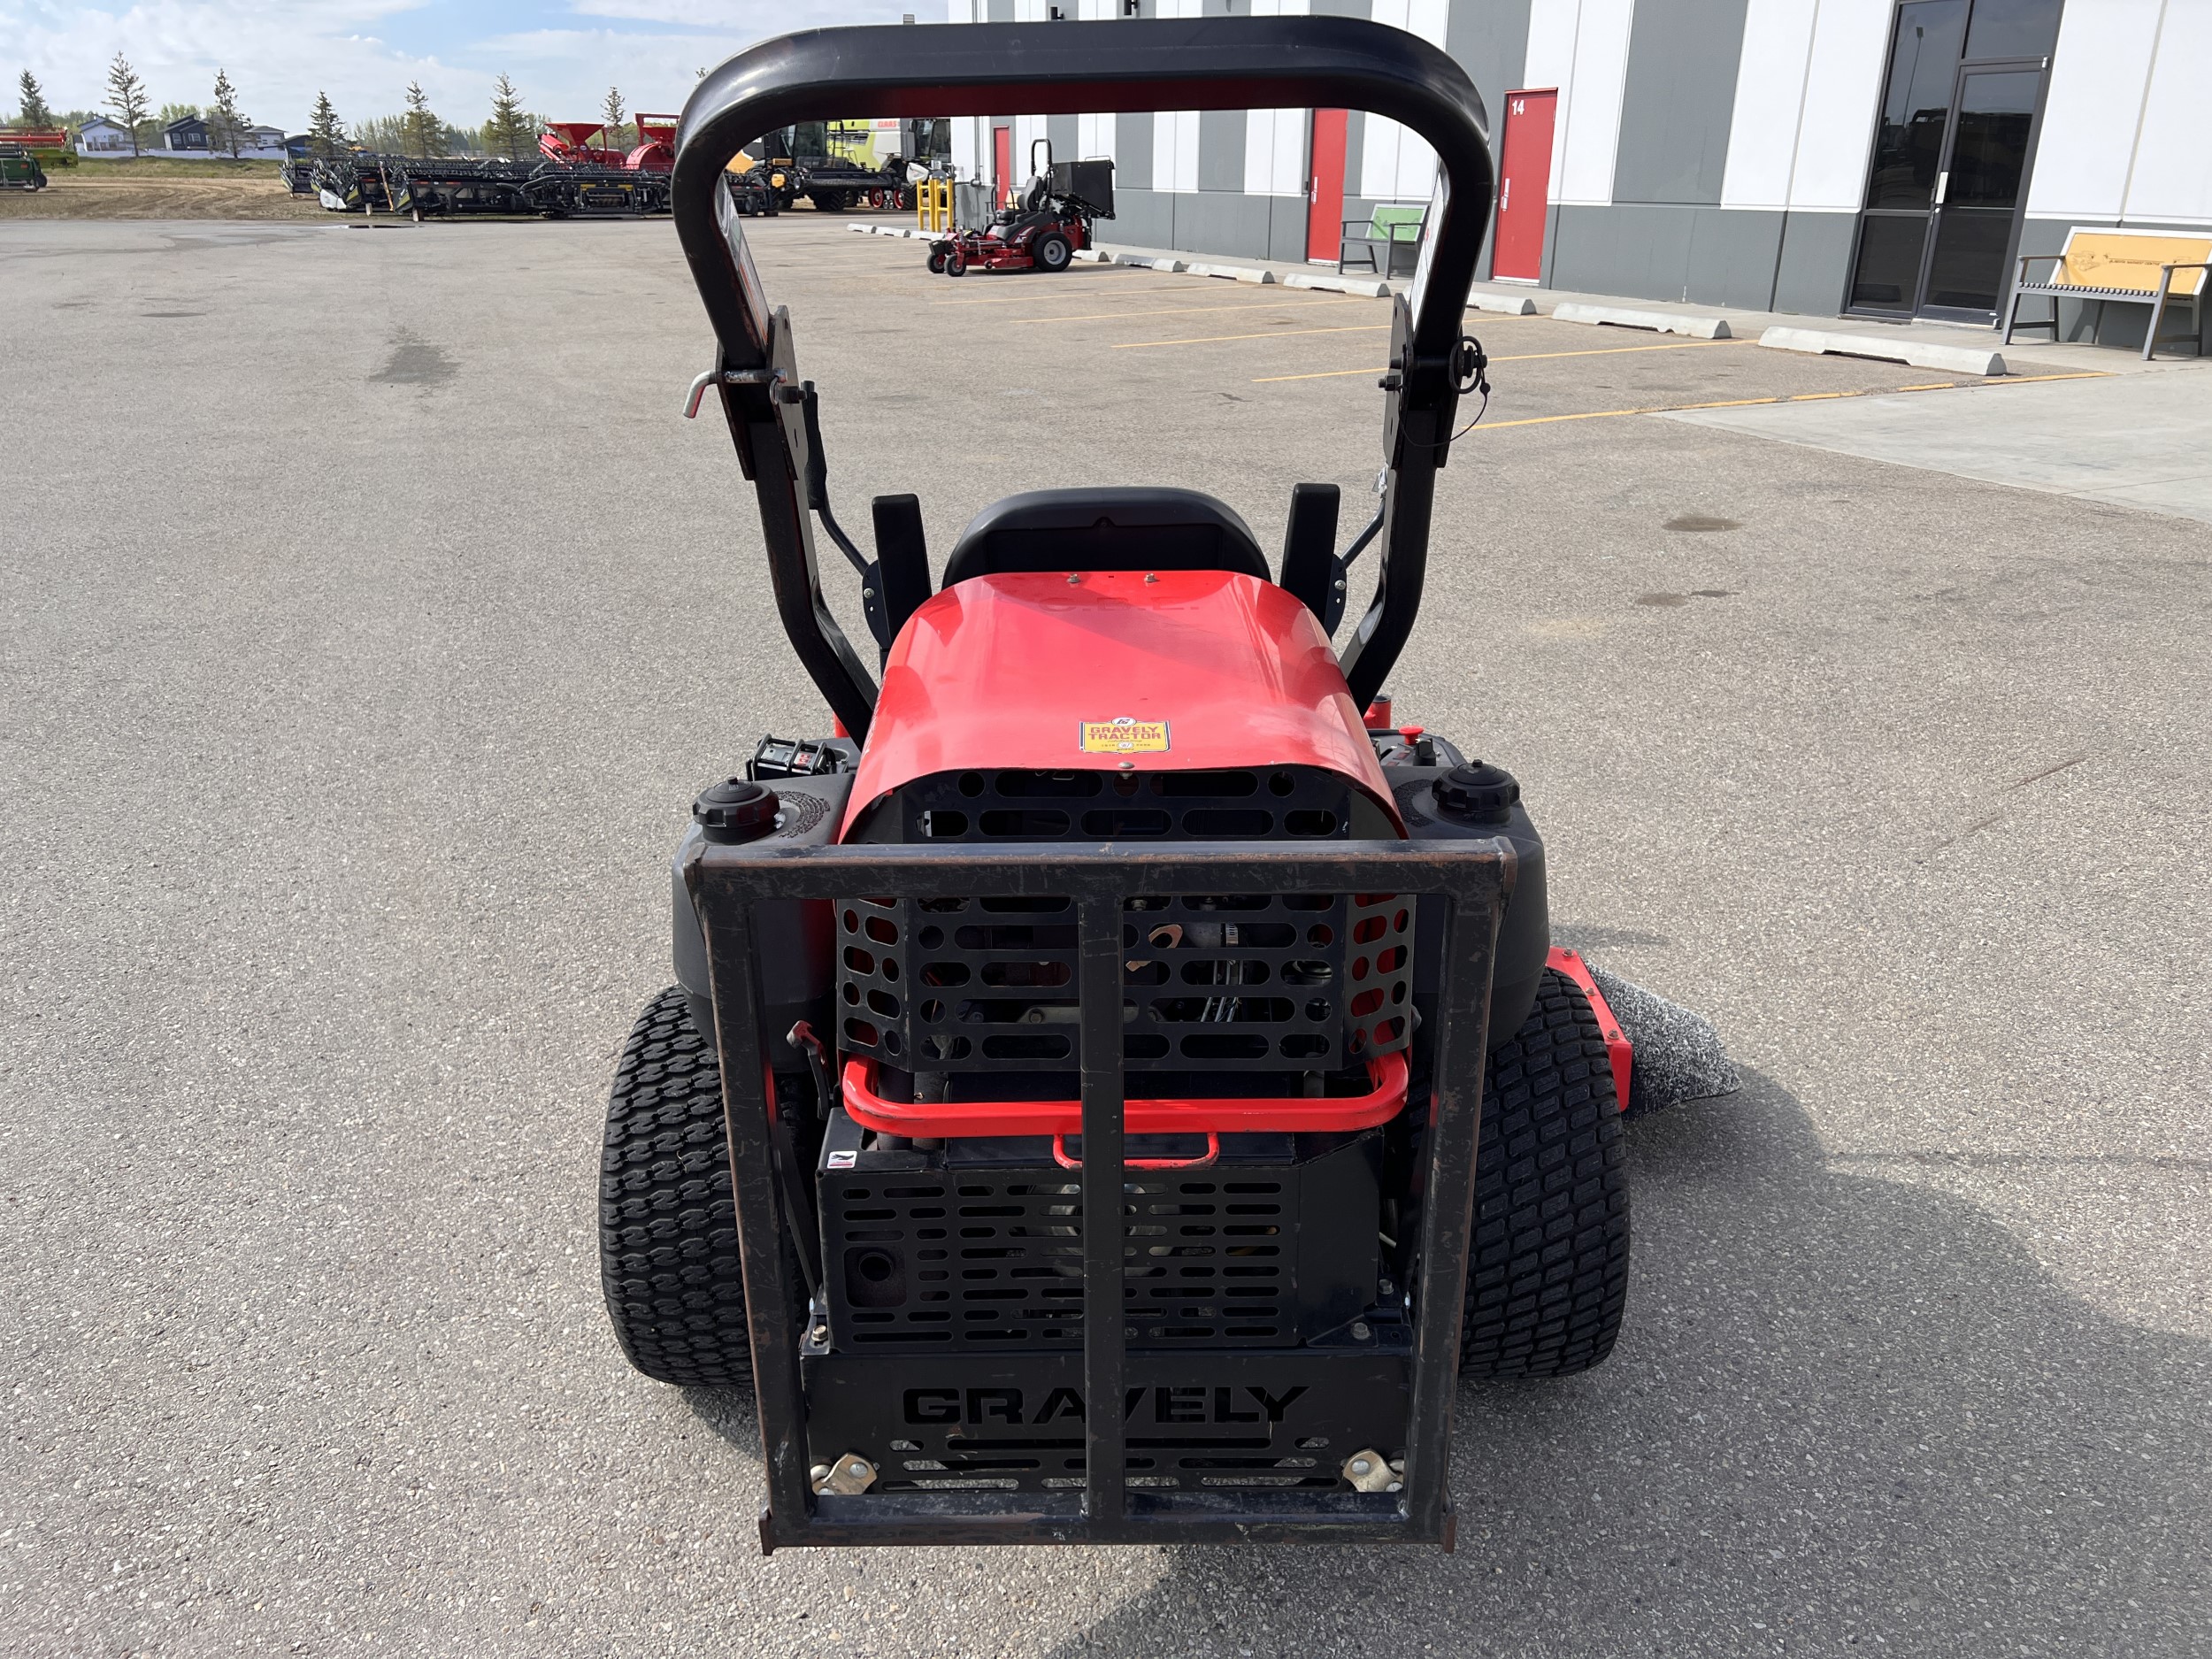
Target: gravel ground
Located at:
point(370, 619)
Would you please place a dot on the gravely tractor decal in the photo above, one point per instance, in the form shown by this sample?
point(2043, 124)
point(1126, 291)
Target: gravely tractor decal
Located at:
point(975, 1406)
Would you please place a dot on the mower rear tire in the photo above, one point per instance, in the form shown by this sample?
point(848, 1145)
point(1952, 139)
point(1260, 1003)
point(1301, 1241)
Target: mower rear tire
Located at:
point(936, 264)
point(1548, 1271)
point(955, 264)
point(668, 1252)
point(1053, 251)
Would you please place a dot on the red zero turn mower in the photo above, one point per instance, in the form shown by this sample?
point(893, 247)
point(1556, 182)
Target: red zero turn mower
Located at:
point(1114, 1092)
point(1048, 223)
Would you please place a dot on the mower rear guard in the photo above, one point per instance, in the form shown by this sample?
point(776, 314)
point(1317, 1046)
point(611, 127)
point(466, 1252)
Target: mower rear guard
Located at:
point(1474, 877)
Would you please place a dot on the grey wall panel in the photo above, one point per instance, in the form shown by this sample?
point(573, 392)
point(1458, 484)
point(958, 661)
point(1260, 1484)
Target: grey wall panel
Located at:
point(1064, 135)
point(1650, 250)
point(1344, 8)
point(1814, 269)
point(1490, 41)
point(1679, 101)
point(999, 12)
point(1354, 152)
point(1142, 219)
point(1222, 222)
point(1133, 153)
point(1286, 229)
point(1640, 250)
point(1221, 134)
point(1732, 256)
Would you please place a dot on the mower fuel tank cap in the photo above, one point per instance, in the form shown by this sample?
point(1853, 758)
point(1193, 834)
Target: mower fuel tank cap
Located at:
point(1478, 792)
point(736, 810)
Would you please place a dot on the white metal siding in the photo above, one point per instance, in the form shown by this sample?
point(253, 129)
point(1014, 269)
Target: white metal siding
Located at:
point(2170, 181)
point(1771, 79)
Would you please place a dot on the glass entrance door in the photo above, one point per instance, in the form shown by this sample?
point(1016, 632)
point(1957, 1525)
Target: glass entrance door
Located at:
point(1951, 156)
point(1979, 191)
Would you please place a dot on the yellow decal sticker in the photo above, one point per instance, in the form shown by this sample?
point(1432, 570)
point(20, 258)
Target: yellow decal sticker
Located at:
point(1124, 734)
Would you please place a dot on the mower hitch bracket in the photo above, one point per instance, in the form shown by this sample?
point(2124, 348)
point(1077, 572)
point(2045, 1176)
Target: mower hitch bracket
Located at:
point(723, 376)
point(1474, 877)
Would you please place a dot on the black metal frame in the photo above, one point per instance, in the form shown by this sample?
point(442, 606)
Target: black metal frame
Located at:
point(1069, 68)
point(1475, 879)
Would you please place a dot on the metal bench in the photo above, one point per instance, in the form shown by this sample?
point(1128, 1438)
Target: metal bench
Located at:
point(1392, 232)
point(2131, 267)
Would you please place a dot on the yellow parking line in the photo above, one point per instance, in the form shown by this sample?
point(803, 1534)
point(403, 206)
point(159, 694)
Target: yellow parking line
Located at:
point(1526, 356)
point(1272, 333)
point(1182, 310)
point(1745, 402)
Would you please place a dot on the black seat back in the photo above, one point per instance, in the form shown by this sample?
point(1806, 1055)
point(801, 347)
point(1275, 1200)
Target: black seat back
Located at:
point(1106, 529)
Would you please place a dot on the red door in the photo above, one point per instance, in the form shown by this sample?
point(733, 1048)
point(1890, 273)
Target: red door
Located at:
point(1324, 186)
point(1524, 185)
point(1003, 163)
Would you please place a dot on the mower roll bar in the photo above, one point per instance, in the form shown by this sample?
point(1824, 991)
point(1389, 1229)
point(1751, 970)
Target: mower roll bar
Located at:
point(1059, 69)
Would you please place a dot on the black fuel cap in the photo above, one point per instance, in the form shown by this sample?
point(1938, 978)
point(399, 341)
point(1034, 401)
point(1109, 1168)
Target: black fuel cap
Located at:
point(1478, 791)
point(736, 810)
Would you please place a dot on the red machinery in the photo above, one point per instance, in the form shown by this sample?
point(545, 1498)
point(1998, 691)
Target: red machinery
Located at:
point(569, 143)
point(1048, 223)
point(656, 150)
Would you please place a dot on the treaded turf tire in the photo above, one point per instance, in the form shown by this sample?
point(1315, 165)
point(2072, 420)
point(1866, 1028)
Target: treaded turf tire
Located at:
point(668, 1251)
point(1547, 1278)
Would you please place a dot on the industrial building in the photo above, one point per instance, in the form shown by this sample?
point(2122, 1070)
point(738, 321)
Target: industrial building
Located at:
point(1889, 158)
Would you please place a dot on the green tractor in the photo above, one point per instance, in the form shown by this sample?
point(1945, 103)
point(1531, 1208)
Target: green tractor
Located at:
point(20, 169)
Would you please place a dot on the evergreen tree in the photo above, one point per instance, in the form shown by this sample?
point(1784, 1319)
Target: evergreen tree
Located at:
point(509, 131)
point(36, 114)
point(127, 95)
point(424, 129)
point(326, 133)
point(611, 137)
point(225, 127)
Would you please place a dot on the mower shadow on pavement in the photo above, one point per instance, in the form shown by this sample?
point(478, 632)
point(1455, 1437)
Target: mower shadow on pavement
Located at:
point(1843, 1408)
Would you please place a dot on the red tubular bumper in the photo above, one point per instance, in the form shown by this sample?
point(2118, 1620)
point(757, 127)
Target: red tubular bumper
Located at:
point(1386, 1098)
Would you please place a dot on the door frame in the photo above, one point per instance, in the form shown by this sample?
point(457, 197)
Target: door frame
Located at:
point(1497, 215)
point(1932, 218)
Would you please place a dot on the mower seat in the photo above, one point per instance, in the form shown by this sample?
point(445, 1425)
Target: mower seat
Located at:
point(1124, 529)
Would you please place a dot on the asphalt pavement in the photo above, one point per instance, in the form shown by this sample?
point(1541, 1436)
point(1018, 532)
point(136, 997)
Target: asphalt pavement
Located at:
point(370, 617)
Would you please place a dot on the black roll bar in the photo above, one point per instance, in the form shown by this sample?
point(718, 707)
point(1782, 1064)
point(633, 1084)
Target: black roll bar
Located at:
point(1060, 69)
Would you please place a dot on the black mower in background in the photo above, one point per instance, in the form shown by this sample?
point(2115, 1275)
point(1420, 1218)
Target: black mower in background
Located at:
point(1117, 1083)
point(1049, 220)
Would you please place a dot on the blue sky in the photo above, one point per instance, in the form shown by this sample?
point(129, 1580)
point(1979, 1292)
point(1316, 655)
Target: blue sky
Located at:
point(561, 54)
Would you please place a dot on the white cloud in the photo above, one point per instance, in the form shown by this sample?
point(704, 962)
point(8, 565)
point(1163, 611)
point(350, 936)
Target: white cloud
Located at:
point(280, 53)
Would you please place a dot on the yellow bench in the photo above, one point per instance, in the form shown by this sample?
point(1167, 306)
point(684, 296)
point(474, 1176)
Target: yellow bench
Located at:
point(2134, 267)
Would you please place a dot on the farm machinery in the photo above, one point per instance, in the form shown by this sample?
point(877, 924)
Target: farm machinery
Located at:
point(1120, 1080)
point(569, 143)
point(1046, 225)
point(427, 186)
point(20, 169)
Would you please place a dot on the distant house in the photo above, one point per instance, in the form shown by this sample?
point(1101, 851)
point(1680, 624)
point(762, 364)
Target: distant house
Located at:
point(263, 140)
point(190, 134)
point(100, 136)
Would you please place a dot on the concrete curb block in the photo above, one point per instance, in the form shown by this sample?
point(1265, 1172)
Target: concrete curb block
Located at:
point(1090, 255)
point(1920, 354)
point(865, 230)
point(1660, 322)
point(1366, 288)
point(1234, 272)
point(1165, 264)
point(1504, 304)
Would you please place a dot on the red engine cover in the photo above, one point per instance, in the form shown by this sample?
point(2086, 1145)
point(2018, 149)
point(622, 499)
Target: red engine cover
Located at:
point(1181, 670)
